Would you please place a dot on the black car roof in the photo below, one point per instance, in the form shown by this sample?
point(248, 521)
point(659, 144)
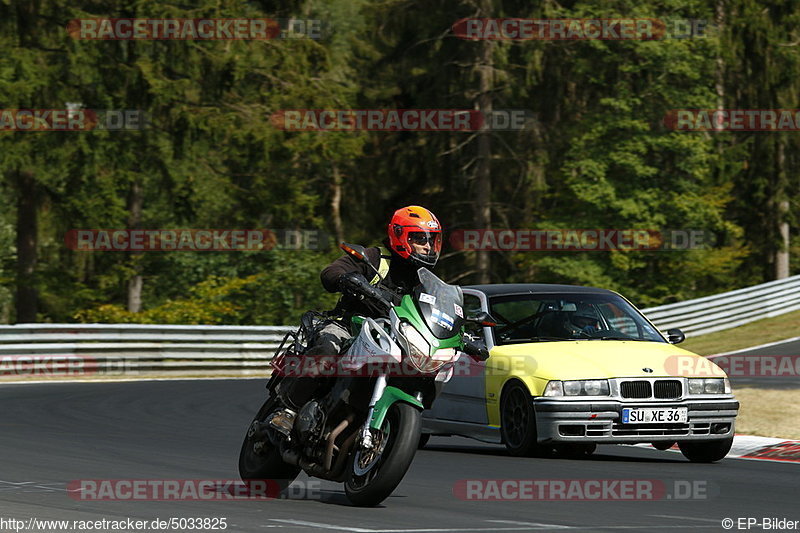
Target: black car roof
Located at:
point(496, 289)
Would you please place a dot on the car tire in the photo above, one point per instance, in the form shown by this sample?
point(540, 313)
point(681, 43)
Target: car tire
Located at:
point(706, 451)
point(518, 422)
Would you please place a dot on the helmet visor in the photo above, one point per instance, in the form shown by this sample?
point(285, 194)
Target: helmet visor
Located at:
point(425, 245)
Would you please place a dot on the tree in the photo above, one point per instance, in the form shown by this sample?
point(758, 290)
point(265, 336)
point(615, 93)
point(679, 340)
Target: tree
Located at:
point(761, 72)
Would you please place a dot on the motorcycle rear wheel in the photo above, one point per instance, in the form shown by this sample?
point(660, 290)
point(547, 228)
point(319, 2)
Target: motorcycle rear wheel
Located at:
point(371, 480)
point(266, 462)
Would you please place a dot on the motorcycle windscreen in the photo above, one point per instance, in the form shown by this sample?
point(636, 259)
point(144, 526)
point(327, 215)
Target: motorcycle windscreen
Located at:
point(441, 305)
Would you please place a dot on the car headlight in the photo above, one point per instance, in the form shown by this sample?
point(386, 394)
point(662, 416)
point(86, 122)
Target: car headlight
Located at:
point(596, 387)
point(554, 388)
point(572, 388)
point(586, 387)
point(709, 386)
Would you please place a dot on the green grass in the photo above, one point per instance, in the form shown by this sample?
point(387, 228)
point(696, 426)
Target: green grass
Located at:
point(764, 412)
point(753, 334)
point(768, 412)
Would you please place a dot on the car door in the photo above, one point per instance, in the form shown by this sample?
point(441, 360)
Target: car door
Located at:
point(463, 398)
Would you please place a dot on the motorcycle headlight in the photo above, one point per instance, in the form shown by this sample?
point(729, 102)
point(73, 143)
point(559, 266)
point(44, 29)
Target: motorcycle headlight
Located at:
point(709, 386)
point(419, 351)
point(444, 354)
point(416, 342)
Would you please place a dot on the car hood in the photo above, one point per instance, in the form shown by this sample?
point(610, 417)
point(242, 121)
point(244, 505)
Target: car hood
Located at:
point(599, 359)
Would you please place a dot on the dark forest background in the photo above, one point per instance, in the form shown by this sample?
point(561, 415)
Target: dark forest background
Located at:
point(596, 155)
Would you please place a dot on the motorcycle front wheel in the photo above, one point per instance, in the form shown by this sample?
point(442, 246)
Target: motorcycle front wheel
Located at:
point(375, 473)
point(259, 459)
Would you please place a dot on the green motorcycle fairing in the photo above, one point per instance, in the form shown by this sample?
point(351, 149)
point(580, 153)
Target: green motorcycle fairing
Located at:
point(390, 396)
point(407, 311)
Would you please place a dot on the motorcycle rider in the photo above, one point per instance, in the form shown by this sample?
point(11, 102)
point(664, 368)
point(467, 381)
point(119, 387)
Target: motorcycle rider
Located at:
point(313, 410)
point(414, 240)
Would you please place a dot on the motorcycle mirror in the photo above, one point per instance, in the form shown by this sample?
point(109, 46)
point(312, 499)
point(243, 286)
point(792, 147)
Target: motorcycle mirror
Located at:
point(483, 318)
point(356, 250)
point(359, 252)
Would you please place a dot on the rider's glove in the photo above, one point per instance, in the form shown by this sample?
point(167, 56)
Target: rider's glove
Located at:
point(355, 284)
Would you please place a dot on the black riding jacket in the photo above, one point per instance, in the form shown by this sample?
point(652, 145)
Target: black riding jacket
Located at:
point(400, 280)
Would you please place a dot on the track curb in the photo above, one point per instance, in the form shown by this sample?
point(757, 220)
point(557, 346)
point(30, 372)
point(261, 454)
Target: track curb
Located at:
point(755, 448)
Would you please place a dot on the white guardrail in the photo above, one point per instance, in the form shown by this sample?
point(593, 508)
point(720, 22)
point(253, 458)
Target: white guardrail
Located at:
point(130, 348)
point(729, 309)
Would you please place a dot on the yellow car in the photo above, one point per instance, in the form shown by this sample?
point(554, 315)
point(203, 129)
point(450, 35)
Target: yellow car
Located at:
point(572, 367)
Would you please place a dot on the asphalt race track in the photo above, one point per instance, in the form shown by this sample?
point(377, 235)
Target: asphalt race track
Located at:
point(791, 381)
point(54, 433)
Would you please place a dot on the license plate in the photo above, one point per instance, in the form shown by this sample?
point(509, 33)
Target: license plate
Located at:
point(664, 415)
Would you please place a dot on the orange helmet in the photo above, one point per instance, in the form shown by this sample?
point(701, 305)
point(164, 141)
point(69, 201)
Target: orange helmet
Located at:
point(415, 225)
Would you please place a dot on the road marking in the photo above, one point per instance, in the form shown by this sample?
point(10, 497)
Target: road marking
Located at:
point(30, 486)
point(533, 524)
point(524, 526)
point(322, 526)
point(319, 525)
point(592, 528)
point(767, 345)
point(684, 518)
point(640, 527)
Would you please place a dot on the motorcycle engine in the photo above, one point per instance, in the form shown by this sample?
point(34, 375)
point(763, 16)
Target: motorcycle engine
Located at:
point(309, 422)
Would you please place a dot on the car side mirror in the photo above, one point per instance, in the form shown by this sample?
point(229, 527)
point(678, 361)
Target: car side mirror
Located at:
point(675, 336)
point(483, 318)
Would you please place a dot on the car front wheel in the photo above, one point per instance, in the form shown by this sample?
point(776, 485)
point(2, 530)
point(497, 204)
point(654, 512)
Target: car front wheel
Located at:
point(706, 451)
point(518, 422)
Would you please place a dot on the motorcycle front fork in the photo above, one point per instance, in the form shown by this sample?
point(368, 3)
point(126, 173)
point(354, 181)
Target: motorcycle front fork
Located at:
point(377, 392)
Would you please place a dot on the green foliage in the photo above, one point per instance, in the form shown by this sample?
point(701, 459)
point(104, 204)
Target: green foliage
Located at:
point(256, 299)
point(597, 155)
point(209, 303)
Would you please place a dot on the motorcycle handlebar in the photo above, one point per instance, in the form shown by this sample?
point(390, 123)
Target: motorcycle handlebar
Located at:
point(356, 284)
point(475, 348)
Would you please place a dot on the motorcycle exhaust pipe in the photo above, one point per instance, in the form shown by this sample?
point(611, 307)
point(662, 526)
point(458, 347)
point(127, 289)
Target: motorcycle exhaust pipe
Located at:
point(339, 472)
point(339, 469)
point(309, 467)
point(293, 457)
point(335, 433)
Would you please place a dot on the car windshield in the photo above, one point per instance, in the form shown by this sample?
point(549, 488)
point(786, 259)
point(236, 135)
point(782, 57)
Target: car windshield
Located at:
point(568, 316)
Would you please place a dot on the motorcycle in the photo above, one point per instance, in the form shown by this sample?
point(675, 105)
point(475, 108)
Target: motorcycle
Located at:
point(360, 424)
